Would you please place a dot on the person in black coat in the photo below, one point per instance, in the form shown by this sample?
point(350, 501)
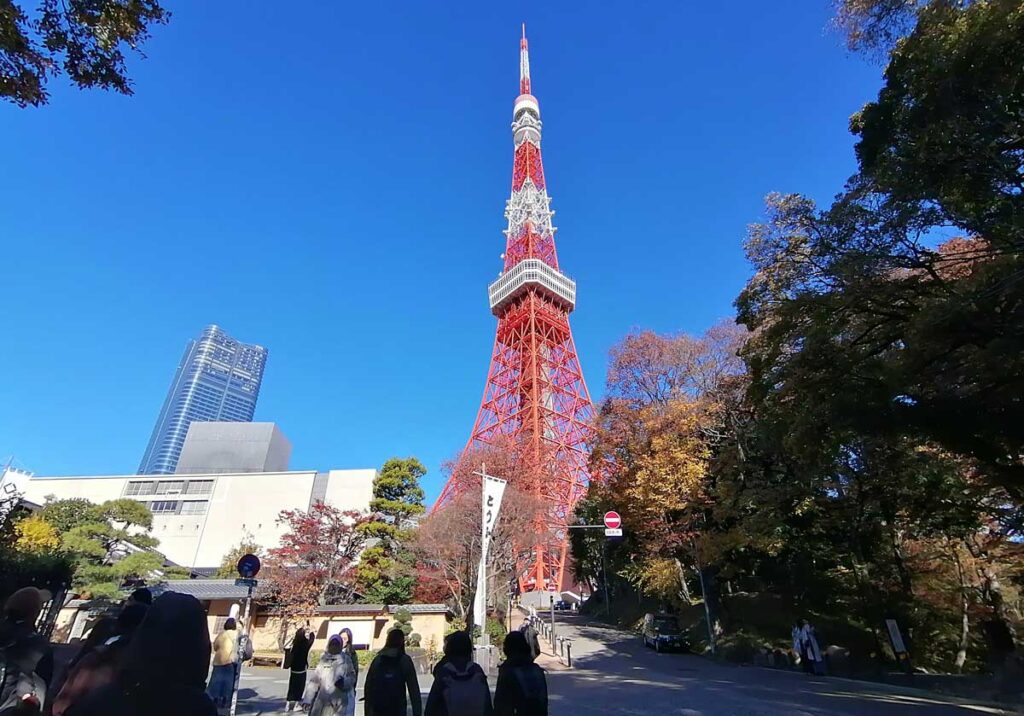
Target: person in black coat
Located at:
point(165, 666)
point(522, 688)
point(301, 645)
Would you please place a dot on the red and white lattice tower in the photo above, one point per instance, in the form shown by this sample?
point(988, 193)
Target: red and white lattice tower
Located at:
point(535, 392)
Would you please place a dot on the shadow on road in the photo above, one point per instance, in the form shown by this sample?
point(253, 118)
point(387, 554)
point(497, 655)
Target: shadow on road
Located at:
point(615, 673)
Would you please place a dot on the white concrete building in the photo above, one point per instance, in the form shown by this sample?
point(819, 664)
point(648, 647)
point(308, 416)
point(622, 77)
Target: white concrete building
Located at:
point(198, 518)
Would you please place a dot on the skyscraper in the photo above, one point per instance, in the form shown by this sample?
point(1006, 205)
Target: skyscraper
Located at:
point(218, 379)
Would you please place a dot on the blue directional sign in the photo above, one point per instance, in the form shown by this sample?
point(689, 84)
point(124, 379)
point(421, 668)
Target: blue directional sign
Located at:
point(248, 566)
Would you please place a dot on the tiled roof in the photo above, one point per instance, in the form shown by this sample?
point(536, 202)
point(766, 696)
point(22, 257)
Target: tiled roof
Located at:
point(203, 588)
point(380, 608)
point(207, 589)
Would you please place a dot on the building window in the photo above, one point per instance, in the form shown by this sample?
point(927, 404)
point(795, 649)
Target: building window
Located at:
point(194, 507)
point(163, 507)
point(169, 487)
point(199, 487)
point(140, 488)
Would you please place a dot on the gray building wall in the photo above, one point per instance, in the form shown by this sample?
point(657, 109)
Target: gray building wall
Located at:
point(216, 447)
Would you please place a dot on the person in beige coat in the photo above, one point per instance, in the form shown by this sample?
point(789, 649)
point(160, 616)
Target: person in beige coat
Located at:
point(225, 661)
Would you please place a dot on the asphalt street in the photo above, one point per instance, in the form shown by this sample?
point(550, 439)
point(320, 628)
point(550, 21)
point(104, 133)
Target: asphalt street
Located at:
point(615, 674)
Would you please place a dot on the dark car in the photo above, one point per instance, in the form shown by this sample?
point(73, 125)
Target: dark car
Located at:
point(662, 631)
point(563, 606)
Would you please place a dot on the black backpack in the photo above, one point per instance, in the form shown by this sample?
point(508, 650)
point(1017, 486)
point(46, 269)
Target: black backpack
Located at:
point(387, 691)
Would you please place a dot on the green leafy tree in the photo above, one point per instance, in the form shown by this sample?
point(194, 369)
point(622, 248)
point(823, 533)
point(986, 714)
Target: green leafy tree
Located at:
point(67, 514)
point(387, 569)
point(83, 38)
point(403, 621)
point(108, 544)
point(881, 471)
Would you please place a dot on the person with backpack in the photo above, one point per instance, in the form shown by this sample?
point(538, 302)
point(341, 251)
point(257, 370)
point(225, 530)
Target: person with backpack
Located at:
point(460, 688)
point(333, 682)
point(391, 675)
point(26, 660)
point(522, 688)
point(225, 661)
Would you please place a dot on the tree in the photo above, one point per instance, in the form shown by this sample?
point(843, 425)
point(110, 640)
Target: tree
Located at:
point(34, 534)
point(314, 563)
point(403, 621)
point(448, 542)
point(109, 544)
point(69, 513)
point(229, 565)
point(83, 38)
point(657, 429)
point(386, 571)
point(874, 26)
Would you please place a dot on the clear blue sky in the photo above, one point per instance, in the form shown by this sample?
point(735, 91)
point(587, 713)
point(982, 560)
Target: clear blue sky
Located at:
point(329, 182)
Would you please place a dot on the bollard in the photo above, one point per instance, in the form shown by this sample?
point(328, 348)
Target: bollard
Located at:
point(568, 654)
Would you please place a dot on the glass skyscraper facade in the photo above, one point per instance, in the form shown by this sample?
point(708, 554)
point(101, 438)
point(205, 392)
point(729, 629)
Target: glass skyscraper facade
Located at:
point(218, 379)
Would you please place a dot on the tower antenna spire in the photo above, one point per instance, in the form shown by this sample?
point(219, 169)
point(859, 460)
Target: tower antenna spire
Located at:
point(524, 64)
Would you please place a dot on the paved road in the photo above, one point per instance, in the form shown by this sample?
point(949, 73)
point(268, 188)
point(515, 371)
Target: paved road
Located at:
point(615, 674)
point(263, 689)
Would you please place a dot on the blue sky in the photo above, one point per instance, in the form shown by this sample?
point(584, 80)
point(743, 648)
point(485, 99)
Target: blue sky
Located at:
point(330, 183)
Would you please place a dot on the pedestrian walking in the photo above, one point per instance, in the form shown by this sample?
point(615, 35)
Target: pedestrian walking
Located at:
point(391, 676)
point(522, 688)
point(332, 683)
point(460, 688)
point(348, 649)
point(26, 660)
point(163, 672)
point(301, 645)
point(101, 665)
point(532, 636)
point(810, 654)
point(225, 661)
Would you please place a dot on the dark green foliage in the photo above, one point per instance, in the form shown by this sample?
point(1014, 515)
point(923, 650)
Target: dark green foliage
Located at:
point(387, 570)
point(45, 571)
point(83, 38)
point(94, 538)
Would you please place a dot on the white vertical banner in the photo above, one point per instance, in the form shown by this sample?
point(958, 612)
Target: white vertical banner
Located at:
point(493, 490)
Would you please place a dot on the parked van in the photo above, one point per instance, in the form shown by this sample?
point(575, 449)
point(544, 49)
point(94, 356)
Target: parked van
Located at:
point(662, 632)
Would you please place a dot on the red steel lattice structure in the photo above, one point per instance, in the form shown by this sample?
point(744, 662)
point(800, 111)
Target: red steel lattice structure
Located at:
point(535, 392)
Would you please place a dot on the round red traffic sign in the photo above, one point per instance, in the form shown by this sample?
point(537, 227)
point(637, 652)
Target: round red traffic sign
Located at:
point(612, 520)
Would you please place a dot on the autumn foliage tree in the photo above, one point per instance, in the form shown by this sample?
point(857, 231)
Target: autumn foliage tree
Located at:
point(314, 563)
point(448, 541)
point(657, 428)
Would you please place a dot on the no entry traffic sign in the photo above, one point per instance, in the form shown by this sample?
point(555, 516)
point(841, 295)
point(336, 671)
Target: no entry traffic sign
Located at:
point(612, 520)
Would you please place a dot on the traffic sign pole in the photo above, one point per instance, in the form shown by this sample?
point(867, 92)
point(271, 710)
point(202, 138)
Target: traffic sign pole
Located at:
point(612, 528)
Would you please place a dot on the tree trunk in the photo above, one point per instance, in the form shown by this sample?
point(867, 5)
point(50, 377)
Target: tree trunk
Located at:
point(992, 591)
point(965, 623)
point(901, 564)
point(684, 589)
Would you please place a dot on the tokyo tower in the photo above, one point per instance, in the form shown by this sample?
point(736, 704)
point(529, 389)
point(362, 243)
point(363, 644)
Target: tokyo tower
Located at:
point(535, 393)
